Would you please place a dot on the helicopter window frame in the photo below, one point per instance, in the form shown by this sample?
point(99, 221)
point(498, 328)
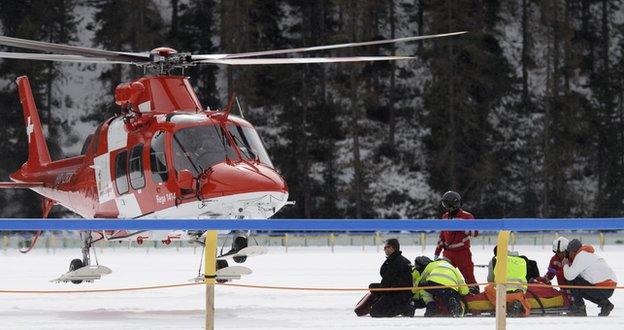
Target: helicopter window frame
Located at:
point(191, 144)
point(158, 158)
point(135, 165)
point(249, 143)
point(121, 172)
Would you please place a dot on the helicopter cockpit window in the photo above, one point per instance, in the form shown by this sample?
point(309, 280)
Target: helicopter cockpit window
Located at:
point(121, 172)
point(200, 147)
point(249, 143)
point(137, 178)
point(158, 163)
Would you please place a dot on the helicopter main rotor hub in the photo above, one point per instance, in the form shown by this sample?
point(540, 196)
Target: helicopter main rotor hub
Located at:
point(164, 59)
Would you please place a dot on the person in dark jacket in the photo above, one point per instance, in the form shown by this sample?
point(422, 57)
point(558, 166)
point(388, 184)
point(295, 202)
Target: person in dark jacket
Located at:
point(396, 272)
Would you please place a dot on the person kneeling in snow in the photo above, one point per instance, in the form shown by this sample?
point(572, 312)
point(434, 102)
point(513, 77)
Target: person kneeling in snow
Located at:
point(517, 302)
point(395, 273)
point(440, 273)
point(584, 268)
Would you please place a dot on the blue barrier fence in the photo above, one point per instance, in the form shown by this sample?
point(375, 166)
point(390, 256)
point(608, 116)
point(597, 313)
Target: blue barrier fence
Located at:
point(517, 224)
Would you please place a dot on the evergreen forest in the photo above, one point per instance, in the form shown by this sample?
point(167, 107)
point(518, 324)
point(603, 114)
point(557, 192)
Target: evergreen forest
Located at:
point(523, 115)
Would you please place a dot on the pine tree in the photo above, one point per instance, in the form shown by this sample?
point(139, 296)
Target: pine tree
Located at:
point(36, 20)
point(470, 79)
point(196, 27)
point(610, 146)
point(308, 121)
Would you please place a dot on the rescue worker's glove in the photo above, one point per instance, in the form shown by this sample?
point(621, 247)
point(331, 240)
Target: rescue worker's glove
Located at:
point(473, 290)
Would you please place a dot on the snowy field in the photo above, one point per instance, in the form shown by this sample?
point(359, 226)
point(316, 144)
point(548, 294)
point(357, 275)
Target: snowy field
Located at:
point(241, 308)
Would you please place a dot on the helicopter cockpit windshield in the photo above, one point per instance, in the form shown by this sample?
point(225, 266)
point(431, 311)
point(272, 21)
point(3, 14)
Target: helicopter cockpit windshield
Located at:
point(200, 147)
point(249, 143)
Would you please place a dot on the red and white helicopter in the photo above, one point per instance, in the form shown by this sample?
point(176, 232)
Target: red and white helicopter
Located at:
point(164, 155)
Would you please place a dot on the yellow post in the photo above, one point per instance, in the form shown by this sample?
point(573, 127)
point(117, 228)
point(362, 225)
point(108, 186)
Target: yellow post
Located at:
point(377, 239)
point(5, 243)
point(210, 274)
point(500, 278)
point(423, 241)
point(332, 240)
point(601, 241)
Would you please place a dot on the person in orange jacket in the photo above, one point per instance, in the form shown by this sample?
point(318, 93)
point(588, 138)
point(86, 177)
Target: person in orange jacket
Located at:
point(455, 245)
point(583, 267)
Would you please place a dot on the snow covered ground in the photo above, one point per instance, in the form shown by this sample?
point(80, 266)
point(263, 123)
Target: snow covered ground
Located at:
point(240, 308)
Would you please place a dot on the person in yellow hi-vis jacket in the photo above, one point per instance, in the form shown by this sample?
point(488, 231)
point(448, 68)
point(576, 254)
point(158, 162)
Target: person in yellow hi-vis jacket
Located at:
point(439, 273)
point(517, 303)
point(417, 296)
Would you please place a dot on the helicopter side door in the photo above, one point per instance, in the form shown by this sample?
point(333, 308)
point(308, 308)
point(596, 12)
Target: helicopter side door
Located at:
point(160, 177)
point(120, 150)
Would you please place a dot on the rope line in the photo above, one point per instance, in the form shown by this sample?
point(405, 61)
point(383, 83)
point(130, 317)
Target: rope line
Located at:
point(292, 288)
point(415, 287)
point(153, 287)
point(272, 287)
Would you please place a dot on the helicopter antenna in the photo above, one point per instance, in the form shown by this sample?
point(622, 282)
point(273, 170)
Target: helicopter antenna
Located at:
point(239, 107)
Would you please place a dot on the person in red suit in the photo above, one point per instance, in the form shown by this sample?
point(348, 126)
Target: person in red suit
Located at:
point(456, 244)
point(555, 266)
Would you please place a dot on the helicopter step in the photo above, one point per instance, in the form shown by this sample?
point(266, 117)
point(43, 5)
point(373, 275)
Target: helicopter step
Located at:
point(250, 251)
point(87, 273)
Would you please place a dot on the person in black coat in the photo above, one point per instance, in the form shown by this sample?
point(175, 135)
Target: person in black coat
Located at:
point(396, 272)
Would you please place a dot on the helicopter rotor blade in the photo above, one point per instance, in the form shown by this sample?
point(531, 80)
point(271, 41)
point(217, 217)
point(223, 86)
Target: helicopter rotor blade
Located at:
point(316, 48)
point(60, 58)
point(74, 50)
point(302, 60)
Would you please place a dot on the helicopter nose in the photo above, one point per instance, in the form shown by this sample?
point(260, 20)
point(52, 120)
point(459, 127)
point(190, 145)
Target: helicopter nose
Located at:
point(226, 179)
point(242, 191)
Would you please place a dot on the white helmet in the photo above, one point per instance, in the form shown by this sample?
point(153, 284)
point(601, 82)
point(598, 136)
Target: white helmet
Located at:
point(560, 244)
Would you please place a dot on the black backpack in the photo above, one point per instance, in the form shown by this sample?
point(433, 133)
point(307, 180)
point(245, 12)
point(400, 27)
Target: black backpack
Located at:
point(532, 269)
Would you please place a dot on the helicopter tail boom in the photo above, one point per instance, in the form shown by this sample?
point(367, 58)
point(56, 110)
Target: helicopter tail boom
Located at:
point(38, 154)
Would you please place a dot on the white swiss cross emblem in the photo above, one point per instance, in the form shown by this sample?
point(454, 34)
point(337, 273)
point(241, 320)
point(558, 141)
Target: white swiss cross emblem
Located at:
point(29, 128)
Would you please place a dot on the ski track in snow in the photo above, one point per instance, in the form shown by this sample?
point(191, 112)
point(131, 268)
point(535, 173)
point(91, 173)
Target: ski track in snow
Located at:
point(242, 308)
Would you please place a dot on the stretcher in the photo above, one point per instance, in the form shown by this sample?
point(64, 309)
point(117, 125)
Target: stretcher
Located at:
point(543, 301)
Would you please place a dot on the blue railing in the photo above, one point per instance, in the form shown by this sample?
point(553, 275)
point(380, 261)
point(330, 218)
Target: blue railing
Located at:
point(519, 224)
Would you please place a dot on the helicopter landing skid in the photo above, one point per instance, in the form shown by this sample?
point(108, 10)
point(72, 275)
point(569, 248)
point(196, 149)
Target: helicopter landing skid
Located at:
point(226, 274)
point(88, 273)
